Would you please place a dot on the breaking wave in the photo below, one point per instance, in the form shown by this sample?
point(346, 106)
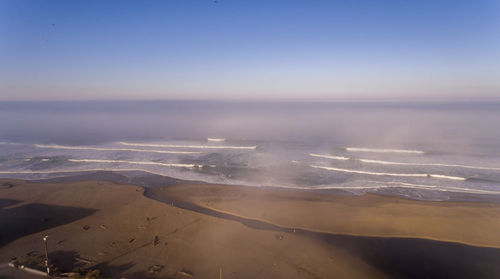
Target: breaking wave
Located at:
point(443, 188)
point(377, 150)
point(367, 188)
point(216, 139)
point(369, 161)
point(425, 164)
point(66, 171)
point(391, 174)
point(401, 185)
point(54, 146)
point(341, 158)
point(189, 146)
point(136, 163)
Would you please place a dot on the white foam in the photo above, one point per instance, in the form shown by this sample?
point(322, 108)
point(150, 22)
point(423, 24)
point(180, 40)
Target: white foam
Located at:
point(216, 139)
point(391, 174)
point(443, 188)
point(377, 150)
point(45, 160)
point(399, 185)
point(319, 187)
point(189, 146)
point(77, 171)
point(448, 177)
point(385, 186)
point(341, 158)
point(326, 187)
point(136, 163)
point(54, 146)
point(10, 143)
point(425, 164)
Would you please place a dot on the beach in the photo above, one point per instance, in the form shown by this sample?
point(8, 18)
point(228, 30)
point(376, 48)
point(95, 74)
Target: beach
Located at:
point(249, 139)
point(473, 223)
point(200, 230)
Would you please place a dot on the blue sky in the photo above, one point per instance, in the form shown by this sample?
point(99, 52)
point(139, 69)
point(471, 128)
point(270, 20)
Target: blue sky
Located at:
point(86, 50)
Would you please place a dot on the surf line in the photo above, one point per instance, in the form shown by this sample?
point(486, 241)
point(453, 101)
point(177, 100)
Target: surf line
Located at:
point(425, 164)
point(53, 146)
point(377, 150)
point(81, 171)
point(368, 161)
point(216, 139)
point(189, 146)
point(341, 158)
point(138, 163)
point(391, 174)
point(440, 188)
point(399, 185)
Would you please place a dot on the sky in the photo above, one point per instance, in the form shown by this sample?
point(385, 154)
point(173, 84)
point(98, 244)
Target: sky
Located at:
point(242, 49)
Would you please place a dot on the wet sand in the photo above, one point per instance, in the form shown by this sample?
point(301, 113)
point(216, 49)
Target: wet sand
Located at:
point(472, 223)
point(246, 232)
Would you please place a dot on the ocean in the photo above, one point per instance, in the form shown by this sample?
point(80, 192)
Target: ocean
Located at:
point(420, 150)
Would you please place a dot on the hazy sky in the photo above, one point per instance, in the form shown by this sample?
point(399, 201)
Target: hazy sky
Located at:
point(248, 49)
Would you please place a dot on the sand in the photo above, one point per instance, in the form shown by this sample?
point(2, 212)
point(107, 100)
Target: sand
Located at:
point(470, 223)
point(245, 232)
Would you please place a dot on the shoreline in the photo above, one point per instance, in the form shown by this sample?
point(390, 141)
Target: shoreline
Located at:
point(144, 178)
point(155, 182)
point(215, 213)
point(245, 209)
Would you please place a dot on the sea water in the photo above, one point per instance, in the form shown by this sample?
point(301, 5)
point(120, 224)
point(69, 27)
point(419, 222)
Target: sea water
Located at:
point(423, 150)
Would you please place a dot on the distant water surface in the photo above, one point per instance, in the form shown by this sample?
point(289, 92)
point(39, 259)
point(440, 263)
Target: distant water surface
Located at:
point(425, 150)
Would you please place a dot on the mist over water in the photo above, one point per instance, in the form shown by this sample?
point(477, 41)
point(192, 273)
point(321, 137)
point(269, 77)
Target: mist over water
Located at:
point(420, 150)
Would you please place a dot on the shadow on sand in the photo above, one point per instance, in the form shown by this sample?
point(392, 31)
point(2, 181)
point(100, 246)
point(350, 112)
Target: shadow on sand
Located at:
point(67, 261)
point(395, 257)
point(18, 221)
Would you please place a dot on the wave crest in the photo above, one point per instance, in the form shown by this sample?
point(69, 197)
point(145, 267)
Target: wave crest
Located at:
point(136, 163)
point(391, 174)
point(382, 150)
point(55, 146)
point(425, 164)
point(341, 158)
point(188, 146)
point(216, 139)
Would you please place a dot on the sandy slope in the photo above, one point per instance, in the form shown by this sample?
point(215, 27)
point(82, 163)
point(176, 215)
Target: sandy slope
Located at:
point(122, 225)
point(470, 223)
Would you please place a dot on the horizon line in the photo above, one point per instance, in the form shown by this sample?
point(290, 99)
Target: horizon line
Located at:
point(360, 99)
